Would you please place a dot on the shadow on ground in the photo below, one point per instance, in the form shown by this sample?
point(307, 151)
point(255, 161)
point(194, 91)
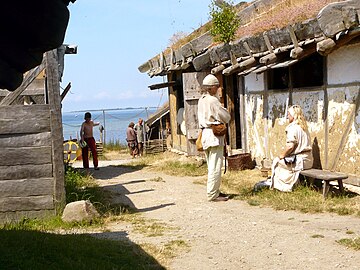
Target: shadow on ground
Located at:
point(113, 171)
point(21, 249)
point(119, 192)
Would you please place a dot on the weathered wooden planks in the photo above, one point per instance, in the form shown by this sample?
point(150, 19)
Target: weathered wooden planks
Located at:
point(11, 216)
point(19, 119)
point(25, 171)
point(22, 140)
point(25, 155)
point(26, 203)
point(26, 187)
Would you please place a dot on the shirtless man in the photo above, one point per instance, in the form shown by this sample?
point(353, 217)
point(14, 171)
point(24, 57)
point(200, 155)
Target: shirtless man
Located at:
point(86, 133)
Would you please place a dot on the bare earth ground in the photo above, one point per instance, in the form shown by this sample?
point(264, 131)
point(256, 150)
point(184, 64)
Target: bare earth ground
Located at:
point(227, 235)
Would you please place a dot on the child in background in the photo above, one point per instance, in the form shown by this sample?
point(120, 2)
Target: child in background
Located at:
point(86, 133)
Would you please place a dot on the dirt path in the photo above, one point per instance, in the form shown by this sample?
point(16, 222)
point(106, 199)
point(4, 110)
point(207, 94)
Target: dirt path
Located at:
point(228, 235)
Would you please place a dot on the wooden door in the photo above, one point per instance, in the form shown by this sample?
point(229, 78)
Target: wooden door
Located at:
point(192, 92)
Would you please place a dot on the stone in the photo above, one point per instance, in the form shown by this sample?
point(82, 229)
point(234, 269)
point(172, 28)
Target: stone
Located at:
point(79, 211)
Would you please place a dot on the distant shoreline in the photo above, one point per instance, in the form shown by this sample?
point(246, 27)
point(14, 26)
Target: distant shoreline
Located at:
point(113, 109)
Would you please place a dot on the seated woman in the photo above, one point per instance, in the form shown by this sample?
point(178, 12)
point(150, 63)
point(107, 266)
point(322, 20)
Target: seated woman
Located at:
point(298, 142)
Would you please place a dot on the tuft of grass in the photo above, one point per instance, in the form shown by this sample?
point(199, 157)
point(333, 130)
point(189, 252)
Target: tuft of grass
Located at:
point(317, 236)
point(168, 251)
point(157, 179)
point(350, 243)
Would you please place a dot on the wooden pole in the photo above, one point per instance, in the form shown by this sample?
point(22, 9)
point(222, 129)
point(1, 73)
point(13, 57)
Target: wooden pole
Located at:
point(53, 89)
point(104, 142)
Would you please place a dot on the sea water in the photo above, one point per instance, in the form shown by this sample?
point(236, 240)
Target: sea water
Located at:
point(114, 122)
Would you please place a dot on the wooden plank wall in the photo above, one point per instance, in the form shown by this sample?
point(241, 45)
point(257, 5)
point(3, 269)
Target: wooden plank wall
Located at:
point(26, 175)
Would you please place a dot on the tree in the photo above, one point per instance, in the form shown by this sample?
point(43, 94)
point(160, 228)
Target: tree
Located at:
point(225, 21)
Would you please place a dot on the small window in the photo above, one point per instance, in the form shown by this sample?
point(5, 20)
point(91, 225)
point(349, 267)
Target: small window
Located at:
point(308, 72)
point(278, 78)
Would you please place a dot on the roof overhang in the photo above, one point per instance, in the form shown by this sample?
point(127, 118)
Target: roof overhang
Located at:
point(334, 26)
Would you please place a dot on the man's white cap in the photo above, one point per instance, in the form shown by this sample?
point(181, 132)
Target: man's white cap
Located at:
point(210, 80)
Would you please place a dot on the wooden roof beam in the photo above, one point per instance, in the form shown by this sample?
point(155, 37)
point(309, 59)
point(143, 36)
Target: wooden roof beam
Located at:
point(271, 57)
point(29, 78)
point(220, 66)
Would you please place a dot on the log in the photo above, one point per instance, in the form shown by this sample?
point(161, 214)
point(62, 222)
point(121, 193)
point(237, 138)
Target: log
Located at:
point(217, 69)
point(268, 59)
point(325, 47)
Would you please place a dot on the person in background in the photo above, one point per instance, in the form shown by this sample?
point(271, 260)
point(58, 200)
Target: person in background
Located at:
point(139, 130)
point(210, 111)
point(298, 142)
point(86, 134)
point(132, 140)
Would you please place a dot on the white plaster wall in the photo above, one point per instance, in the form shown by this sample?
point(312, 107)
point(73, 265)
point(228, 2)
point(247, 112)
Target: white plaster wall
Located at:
point(344, 65)
point(254, 82)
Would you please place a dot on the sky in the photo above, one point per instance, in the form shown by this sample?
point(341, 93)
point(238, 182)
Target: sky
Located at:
point(114, 37)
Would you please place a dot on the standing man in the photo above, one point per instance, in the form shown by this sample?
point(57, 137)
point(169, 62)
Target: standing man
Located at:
point(210, 112)
point(139, 129)
point(86, 133)
point(131, 139)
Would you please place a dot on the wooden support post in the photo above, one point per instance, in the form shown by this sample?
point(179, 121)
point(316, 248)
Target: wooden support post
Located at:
point(297, 51)
point(53, 89)
point(271, 57)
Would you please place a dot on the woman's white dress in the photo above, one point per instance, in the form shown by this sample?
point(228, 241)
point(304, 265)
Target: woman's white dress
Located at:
point(284, 176)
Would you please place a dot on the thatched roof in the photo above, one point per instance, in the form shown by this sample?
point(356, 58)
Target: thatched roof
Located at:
point(262, 42)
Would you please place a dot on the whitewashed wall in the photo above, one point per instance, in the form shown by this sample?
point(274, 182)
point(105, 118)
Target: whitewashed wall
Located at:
point(344, 65)
point(254, 82)
point(332, 113)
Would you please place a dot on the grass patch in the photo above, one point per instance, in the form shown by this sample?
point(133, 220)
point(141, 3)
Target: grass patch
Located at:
point(167, 251)
point(350, 243)
point(148, 227)
point(115, 145)
point(172, 164)
point(38, 250)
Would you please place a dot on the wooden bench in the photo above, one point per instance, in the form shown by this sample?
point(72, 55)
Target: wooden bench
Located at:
point(327, 177)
